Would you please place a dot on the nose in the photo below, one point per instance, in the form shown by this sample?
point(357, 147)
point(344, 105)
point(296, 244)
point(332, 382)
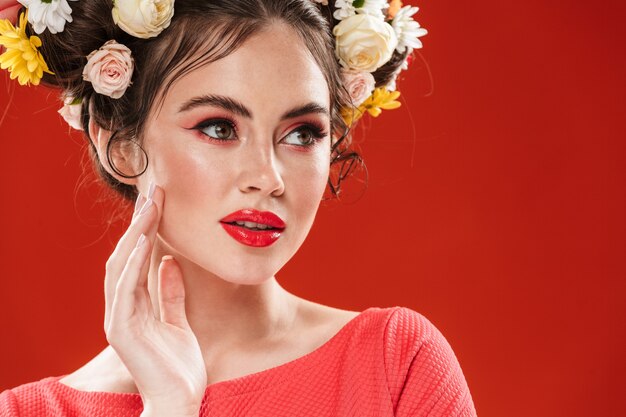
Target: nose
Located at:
point(259, 172)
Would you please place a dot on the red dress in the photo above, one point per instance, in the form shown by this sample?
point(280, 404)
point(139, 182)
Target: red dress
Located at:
point(384, 362)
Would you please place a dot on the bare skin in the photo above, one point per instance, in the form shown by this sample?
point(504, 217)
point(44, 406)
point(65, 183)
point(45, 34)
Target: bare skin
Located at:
point(217, 312)
point(315, 325)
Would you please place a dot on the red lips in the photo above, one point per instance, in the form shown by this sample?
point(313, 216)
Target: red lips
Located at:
point(252, 215)
point(251, 237)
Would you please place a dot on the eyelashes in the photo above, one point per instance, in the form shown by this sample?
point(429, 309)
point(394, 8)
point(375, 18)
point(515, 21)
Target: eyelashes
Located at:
point(215, 122)
point(316, 131)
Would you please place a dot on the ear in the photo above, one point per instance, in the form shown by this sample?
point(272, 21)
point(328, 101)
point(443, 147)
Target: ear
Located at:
point(100, 137)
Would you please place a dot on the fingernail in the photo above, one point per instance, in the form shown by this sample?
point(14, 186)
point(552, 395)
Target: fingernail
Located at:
point(151, 189)
point(167, 258)
point(138, 201)
point(141, 240)
point(146, 206)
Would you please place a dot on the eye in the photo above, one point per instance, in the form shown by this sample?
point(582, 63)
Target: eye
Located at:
point(217, 129)
point(307, 135)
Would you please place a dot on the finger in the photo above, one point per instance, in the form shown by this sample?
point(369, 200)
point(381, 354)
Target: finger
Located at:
point(120, 256)
point(172, 293)
point(150, 233)
point(142, 220)
point(138, 225)
point(126, 290)
point(138, 205)
point(159, 198)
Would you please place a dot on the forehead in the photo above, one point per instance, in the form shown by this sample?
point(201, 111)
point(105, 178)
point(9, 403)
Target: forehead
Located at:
point(271, 70)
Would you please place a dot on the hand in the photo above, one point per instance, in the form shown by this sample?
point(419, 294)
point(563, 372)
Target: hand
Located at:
point(162, 354)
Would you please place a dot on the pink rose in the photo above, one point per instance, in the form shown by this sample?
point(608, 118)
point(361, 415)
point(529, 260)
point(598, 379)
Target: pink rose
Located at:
point(71, 112)
point(359, 84)
point(109, 69)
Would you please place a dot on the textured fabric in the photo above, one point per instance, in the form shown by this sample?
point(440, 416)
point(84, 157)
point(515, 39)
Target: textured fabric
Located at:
point(384, 362)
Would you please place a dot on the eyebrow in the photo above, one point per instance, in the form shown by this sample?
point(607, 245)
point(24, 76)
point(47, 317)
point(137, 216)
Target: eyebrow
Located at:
point(234, 106)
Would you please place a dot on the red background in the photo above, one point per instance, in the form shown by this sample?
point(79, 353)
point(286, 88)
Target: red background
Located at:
point(496, 207)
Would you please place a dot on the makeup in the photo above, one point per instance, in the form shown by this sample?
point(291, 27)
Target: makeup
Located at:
point(253, 227)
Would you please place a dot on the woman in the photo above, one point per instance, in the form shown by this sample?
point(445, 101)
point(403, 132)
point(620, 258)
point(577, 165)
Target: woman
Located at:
point(222, 120)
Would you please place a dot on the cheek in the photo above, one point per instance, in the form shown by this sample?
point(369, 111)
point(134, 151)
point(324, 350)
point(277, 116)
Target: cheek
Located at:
point(187, 170)
point(191, 180)
point(307, 179)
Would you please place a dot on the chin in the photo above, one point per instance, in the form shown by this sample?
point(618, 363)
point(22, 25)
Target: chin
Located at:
point(232, 261)
point(254, 274)
point(249, 268)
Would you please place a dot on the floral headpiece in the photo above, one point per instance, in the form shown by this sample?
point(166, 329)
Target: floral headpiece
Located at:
point(366, 37)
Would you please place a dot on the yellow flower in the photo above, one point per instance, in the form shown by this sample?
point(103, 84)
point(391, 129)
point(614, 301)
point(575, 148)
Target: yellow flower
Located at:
point(22, 58)
point(351, 115)
point(381, 98)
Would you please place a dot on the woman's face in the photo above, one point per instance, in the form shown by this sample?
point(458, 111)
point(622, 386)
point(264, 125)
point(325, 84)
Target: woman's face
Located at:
point(269, 160)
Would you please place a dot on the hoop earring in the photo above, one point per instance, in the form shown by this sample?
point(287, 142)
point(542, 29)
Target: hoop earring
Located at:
point(110, 161)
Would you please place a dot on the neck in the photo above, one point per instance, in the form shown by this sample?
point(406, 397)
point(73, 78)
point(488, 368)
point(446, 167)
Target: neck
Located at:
point(223, 313)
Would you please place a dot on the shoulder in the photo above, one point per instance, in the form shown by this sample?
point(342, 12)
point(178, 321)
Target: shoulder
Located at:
point(422, 369)
point(8, 404)
point(392, 335)
point(49, 397)
point(407, 331)
point(29, 399)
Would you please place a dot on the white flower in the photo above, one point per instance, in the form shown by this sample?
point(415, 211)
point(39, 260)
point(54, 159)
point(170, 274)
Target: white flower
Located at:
point(345, 8)
point(364, 42)
point(143, 18)
point(51, 14)
point(407, 30)
point(373, 7)
point(71, 112)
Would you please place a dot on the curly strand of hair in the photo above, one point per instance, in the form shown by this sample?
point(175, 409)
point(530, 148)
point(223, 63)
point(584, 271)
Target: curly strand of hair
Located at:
point(345, 157)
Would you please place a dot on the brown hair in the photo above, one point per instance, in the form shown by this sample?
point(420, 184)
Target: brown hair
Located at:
point(173, 53)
